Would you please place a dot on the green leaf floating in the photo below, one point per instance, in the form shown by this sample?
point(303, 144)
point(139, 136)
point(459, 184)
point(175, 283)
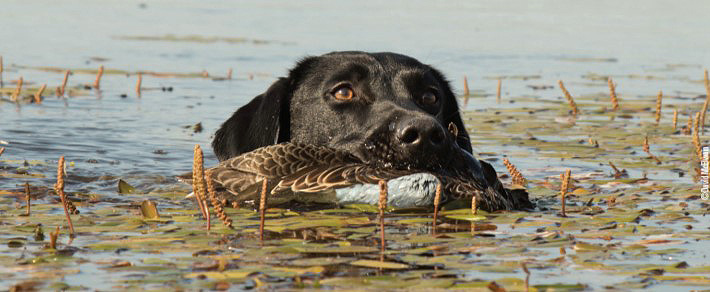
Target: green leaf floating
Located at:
point(125, 188)
point(149, 210)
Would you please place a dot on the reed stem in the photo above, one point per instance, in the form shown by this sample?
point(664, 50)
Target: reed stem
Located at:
point(498, 90)
point(437, 200)
point(474, 204)
point(262, 210)
point(139, 83)
point(27, 198)
point(64, 82)
point(382, 206)
point(569, 98)
point(198, 181)
point(38, 94)
point(216, 204)
point(465, 86)
point(18, 90)
point(563, 190)
point(59, 187)
point(612, 94)
point(516, 177)
point(97, 82)
point(659, 102)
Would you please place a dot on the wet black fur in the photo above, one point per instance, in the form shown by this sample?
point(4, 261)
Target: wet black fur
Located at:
point(301, 108)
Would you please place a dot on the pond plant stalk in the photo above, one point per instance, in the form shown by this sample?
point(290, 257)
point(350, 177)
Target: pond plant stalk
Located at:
point(465, 86)
point(516, 177)
point(64, 82)
point(647, 149)
point(569, 98)
point(593, 142)
point(563, 189)
point(688, 127)
point(38, 94)
point(99, 74)
point(138, 84)
point(474, 204)
point(527, 276)
point(262, 210)
point(437, 200)
point(617, 173)
point(27, 198)
point(659, 102)
point(612, 94)
point(53, 238)
point(675, 119)
point(18, 90)
point(698, 147)
point(216, 204)
point(59, 187)
point(382, 205)
point(198, 183)
point(500, 81)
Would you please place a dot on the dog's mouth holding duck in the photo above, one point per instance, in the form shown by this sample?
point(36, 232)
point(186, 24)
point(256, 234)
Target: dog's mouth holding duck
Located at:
point(312, 174)
point(341, 123)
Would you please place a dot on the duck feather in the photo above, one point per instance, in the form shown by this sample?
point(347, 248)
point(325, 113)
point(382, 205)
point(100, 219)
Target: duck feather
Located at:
point(302, 168)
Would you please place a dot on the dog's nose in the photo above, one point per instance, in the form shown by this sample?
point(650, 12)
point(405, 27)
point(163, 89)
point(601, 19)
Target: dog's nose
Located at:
point(421, 134)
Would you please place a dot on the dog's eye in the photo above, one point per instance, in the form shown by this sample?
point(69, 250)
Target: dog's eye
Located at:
point(429, 98)
point(343, 92)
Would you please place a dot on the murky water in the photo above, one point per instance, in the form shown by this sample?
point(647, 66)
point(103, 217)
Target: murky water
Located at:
point(147, 140)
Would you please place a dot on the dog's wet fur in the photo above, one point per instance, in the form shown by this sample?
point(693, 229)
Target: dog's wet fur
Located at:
point(387, 109)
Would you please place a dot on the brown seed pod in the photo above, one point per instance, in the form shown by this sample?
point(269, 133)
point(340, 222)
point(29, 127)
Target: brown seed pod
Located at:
point(216, 204)
point(612, 94)
point(569, 98)
point(563, 189)
point(516, 176)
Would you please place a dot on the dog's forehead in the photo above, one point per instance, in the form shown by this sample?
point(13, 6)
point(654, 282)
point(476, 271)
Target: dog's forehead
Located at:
point(376, 64)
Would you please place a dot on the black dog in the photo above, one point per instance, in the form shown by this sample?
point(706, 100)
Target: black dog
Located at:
point(387, 109)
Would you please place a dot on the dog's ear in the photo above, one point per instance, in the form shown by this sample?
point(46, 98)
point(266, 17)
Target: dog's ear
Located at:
point(451, 112)
point(265, 120)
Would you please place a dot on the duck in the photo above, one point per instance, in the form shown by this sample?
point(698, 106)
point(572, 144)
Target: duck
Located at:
point(321, 173)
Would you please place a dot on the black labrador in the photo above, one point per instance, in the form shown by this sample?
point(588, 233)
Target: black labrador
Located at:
point(387, 109)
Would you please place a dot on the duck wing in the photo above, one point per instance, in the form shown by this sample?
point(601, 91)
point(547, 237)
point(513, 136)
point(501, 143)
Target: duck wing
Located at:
point(293, 167)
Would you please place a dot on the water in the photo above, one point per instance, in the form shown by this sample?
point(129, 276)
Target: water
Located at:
point(148, 140)
point(481, 40)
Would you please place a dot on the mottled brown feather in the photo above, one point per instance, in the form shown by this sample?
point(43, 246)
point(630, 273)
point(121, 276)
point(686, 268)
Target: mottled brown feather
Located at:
point(292, 167)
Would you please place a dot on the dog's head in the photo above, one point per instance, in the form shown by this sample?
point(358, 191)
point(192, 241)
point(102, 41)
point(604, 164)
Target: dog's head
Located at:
point(387, 109)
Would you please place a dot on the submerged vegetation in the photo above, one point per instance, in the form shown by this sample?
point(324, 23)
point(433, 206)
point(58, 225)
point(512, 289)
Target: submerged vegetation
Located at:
point(621, 211)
